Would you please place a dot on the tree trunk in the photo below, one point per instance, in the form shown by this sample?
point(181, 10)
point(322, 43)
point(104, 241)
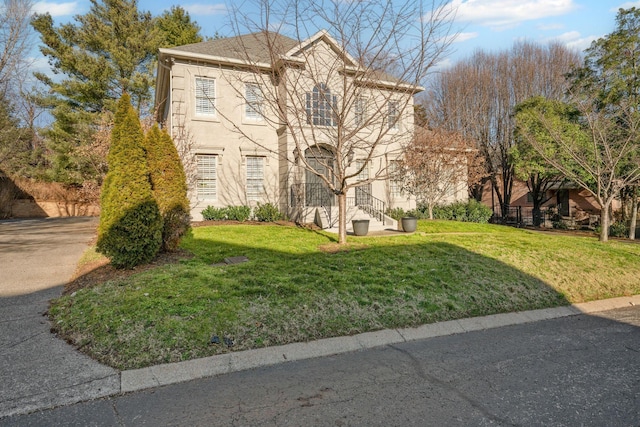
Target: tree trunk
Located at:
point(537, 214)
point(604, 223)
point(430, 207)
point(342, 218)
point(634, 214)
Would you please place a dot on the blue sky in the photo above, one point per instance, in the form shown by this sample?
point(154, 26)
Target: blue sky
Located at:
point(486, 24)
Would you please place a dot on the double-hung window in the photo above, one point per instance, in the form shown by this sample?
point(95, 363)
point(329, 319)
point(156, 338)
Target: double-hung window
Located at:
point(360, 110)
point(205, 96)
point(253, 105)
point(255, 178)
point(322, 107)
point(392, 115)
point(395, 182)
point(207, 184)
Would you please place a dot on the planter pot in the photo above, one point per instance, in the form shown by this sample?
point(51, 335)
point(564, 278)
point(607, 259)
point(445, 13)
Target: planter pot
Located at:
point(360, 227)
point(409, 224)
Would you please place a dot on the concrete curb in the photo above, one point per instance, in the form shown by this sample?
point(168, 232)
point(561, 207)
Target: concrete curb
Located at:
point(159, 375)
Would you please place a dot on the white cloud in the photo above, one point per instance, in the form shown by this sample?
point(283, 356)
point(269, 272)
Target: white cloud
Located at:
point(627, 5)
point(56, 9)
point(502, 14)
point(206, 9)
point(463, 37)
point(573, 40)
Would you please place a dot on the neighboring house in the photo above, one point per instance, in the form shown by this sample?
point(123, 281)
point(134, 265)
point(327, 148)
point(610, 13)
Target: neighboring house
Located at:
point(245, 112)
point(564, 198)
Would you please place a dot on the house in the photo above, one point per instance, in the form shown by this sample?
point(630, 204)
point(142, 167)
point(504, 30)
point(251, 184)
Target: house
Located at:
point(566, 199)
point(264, 118)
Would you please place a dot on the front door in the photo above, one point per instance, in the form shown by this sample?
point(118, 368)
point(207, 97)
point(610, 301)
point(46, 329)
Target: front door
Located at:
point(317, 192)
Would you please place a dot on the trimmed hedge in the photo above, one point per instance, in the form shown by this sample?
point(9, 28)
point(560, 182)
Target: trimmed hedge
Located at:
point(471, 211)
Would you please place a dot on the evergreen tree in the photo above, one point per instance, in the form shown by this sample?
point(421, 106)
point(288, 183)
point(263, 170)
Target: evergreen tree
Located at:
point(130, 231)
point(177, 29)
point(169, 186)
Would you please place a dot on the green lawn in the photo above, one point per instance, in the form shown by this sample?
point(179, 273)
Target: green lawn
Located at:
point(296, 287)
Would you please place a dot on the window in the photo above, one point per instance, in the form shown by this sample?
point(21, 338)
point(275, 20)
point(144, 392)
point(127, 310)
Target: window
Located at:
point(395, 183)
point(205, 96)
point(255, 178)
point(364, 174)
point(206, 187)
point(392, 116)
point(322, 107)
point(360, 107)
point(253, 106)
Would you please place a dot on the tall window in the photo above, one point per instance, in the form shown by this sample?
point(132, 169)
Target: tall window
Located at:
point(322, 106)
point(253, 106)
point(207, 185)
point(392, 116)
point(395, 183)
point(360, 107)
point(205, 96)
point(255, 178)
point(364, 173)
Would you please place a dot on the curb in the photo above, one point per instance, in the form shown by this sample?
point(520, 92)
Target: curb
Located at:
point(171, 373)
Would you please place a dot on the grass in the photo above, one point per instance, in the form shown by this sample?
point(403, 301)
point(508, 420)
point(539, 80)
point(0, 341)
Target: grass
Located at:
point(297, 287)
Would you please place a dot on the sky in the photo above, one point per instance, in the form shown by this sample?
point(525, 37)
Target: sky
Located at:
point(491, 25)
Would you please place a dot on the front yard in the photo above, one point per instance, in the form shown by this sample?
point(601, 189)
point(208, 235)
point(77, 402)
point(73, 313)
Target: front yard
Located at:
point(298, 285)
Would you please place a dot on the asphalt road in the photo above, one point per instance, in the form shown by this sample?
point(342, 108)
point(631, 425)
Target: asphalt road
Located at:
point(575, 371)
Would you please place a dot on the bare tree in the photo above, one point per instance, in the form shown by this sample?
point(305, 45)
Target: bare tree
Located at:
point(353, 100)
point(476, 97)
point(435, 167)
point(15, 41)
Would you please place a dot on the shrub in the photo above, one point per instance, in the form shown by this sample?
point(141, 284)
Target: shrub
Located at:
point(267, 212)
point(169, 186)
point(130, 230)
point(238, 213)
point(396, 213)
point(214, 214)
point(619, 229)
point(471, 211)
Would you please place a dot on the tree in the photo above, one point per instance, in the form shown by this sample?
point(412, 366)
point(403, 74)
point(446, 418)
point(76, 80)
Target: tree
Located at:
point(604, 156)
point(435, 166)
point(15, 42)
point(176, 28)
point(130, 230)
point(169, 186)
point(476, 97)
point(533, 169)
point(594, 148)
point(382, 53)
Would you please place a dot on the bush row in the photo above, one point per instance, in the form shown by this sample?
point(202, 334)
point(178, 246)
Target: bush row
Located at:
point(265, 212)
point(471, 211)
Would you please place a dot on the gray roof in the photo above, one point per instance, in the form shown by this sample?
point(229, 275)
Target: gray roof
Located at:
point(250, 46)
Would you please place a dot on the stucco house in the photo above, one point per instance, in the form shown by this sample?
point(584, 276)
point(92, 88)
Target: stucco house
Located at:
point(265, 118)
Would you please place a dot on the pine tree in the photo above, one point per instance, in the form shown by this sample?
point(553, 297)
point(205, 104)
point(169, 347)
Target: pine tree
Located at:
point(130, 231)
point(169, 186)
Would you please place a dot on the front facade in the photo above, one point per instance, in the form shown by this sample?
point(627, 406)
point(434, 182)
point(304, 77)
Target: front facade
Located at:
point(262, 118)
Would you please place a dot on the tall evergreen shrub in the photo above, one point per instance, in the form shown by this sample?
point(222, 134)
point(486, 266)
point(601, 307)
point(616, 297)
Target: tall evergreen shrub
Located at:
point(130, 230)
point(169, 186)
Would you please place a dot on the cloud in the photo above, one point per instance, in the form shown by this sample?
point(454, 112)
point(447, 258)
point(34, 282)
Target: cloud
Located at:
point(627, 5)
point(463, 37)
point(206, 9)
point(56, 9)
point(573, 40)
point(502, 14)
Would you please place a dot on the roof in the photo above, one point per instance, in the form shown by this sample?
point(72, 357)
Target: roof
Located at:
point(249, 46)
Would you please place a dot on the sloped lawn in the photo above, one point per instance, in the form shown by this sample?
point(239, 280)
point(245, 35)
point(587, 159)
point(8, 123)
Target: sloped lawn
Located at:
point(300, 285)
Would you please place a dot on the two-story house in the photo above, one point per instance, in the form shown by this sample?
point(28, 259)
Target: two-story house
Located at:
point(266, 118)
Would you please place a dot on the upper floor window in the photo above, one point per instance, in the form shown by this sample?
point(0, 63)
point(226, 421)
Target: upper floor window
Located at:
point(322, 106)
point(254, 100)
point(392, 116)
point(360, 107)
point(205, 96)
point(207, 187)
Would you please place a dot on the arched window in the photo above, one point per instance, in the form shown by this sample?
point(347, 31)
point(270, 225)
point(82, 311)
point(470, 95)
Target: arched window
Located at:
point(322, 106)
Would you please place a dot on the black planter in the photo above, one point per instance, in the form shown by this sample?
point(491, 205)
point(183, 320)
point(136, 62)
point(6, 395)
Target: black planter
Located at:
point(360, 227)
point(409, 224)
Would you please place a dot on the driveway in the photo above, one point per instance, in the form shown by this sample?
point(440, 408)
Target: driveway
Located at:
point(37, 370)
